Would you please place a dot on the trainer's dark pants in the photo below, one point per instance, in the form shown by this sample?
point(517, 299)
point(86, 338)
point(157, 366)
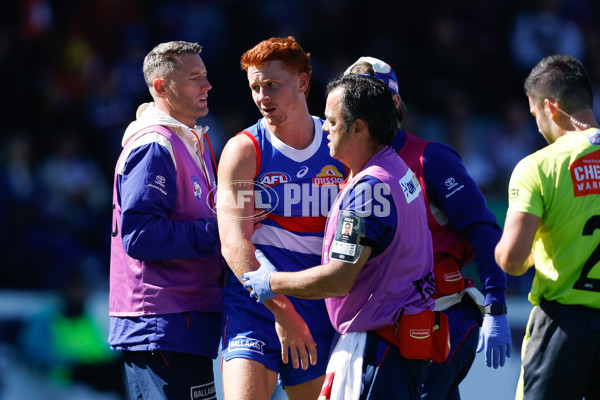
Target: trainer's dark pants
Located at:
point(443, 379)
point(387, 375)
point(160, 375)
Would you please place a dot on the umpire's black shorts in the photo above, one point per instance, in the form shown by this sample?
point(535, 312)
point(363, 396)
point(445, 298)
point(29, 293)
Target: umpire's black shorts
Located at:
point(561, 353)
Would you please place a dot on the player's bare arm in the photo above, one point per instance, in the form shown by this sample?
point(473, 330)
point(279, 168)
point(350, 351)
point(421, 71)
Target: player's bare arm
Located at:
point(513, 251)
point(235, 208)
point(237, 169)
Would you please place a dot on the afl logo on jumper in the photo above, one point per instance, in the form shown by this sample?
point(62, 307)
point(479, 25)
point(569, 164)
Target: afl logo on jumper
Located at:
point(274, 178)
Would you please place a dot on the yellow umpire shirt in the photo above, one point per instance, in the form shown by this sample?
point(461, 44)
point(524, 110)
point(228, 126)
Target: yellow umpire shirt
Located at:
point(561, 185)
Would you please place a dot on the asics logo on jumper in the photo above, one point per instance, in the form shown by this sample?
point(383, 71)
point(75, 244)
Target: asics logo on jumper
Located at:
point(240, 343)
point(302, 172)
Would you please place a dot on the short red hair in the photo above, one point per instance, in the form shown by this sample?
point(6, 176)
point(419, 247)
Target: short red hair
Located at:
point(276, 48)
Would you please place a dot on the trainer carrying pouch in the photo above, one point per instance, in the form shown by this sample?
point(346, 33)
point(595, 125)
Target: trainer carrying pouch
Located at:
point(448, 278)
point(422, 336)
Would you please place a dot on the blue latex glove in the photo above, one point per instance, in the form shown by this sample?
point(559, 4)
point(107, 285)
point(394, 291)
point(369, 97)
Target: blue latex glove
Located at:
point(259, 281)
point(495, 339)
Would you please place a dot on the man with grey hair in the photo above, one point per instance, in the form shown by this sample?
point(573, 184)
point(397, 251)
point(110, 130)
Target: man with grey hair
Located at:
point(165, 269)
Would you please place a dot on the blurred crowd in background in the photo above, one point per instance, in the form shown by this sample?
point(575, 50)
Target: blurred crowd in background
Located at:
point(72, 80)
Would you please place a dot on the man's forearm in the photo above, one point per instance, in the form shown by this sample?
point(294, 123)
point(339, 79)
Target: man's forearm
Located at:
point(239, 255)
point(512, 265)
point(333, 279)
point(313, 283)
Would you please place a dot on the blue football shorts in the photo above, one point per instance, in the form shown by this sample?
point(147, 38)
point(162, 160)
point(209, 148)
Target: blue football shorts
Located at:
point(249, 332)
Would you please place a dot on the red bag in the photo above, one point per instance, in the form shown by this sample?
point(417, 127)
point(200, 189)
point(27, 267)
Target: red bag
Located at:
point(422, 336)
point(448, 278)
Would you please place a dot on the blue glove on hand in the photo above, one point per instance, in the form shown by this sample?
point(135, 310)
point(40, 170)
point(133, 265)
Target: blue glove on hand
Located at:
point(259, 281)
point(495, 339)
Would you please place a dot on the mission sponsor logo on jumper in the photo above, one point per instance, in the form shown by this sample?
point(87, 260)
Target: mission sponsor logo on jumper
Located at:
point(243, 343)
point(452, 186)
point(329, 175)
point(585, 173)
point(204, 392)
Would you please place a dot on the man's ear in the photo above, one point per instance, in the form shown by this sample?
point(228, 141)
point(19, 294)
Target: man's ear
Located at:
point(304, 82)
point(159, 87)
point(551, 108)
point(397, 100)
point(359, 125)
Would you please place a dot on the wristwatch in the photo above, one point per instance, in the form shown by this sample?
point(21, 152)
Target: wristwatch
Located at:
point(495, 309)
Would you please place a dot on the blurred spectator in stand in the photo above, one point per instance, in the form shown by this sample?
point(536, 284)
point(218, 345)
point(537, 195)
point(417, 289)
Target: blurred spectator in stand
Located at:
point(593, 41)
point(19, 217)
point(75, 206)
point(466, 131)
point(108, 108)
point(543, 31)
point(513, 138)
point(114, 91)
